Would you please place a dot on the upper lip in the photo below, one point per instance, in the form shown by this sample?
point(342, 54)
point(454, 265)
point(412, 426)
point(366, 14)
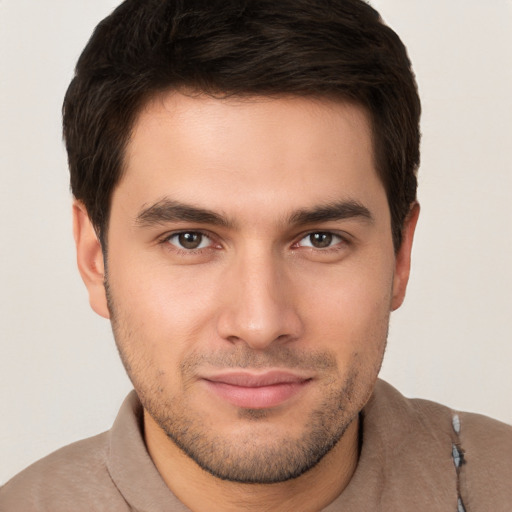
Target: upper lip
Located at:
point(256, 380)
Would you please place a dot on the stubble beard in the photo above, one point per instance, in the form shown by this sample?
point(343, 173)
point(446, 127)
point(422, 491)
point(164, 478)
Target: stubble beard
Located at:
point(249, 459)
point(258, 457)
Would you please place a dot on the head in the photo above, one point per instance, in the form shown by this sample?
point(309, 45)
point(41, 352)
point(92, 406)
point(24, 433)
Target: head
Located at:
point(337, 49)
point(250, 166)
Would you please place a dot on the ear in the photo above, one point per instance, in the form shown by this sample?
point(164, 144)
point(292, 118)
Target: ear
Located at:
point(89, 257)
point(403, 257)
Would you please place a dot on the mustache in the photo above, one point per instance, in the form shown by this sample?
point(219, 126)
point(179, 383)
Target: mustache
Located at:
point(243, 356)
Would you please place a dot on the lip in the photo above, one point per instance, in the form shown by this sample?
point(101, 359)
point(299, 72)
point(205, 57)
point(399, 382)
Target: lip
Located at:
point(257, 390)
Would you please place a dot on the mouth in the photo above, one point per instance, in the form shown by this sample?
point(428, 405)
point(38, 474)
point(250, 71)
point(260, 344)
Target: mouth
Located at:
point(257, 390)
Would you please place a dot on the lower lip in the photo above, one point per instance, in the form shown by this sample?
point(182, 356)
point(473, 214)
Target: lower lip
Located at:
point(263, 397)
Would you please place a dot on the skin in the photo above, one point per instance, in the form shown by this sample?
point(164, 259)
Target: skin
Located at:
point(280, 281)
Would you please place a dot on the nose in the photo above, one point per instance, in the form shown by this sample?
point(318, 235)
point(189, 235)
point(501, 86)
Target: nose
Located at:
point(258, 302)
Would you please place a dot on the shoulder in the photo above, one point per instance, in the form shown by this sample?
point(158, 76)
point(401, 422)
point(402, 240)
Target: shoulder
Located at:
point(479, 448)
point(470, 427)
point(486, 472)
point(74, 478)
point(483, 441)
point(486, 438)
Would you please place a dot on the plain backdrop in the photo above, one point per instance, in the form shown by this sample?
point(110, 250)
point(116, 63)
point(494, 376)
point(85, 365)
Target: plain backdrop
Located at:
point(60, 377)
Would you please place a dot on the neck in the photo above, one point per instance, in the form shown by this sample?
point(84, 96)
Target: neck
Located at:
point(202, 492)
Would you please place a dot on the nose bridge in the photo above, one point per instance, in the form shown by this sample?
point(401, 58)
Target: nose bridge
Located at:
point(260, 308)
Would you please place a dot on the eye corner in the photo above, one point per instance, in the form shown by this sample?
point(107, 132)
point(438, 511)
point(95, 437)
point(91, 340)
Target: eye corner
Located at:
point(321, 240)
point(188, 241)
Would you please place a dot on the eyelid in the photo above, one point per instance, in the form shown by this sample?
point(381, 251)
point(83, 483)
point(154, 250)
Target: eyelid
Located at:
point(165, 239)
point(342, 237)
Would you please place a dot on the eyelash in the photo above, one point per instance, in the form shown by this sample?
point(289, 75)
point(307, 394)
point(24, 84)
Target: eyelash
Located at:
point(166, 240)
point(342, 241)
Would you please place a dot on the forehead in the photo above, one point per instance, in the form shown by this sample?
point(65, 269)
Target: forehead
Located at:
point(289, 152)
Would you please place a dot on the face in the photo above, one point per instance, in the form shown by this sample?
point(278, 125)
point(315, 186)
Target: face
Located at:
point(251, 273)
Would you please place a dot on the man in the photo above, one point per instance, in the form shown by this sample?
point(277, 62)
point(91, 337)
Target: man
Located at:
point(245, 205)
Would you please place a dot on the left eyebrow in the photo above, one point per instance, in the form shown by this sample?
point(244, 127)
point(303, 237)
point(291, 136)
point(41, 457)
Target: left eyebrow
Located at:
point(332, 211)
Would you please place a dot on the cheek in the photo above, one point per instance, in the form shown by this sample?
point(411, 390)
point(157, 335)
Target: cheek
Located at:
point(356, 295)
point(350, 306)
point(160, 308)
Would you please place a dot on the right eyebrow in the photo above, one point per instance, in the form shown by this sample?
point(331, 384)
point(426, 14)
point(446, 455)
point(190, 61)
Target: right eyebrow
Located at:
point(167, 210)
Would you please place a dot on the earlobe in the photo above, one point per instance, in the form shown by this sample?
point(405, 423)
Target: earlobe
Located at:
point(89, 257)
point(403, 257)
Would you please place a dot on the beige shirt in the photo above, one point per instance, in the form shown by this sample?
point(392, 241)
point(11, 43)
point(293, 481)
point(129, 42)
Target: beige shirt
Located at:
point(416, 456)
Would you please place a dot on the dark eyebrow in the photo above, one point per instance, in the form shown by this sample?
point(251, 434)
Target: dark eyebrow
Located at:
point(331, 211)
point(168, 210)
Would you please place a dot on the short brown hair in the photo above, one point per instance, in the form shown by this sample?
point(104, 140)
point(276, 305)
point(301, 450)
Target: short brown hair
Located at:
point(337, 49)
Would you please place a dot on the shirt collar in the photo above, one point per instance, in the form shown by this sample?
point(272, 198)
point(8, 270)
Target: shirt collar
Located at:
point(404, 443)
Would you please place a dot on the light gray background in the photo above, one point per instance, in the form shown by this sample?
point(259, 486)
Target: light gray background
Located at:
point(60, 377)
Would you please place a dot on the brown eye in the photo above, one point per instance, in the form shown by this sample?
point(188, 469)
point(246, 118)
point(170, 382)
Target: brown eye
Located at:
point(189, 240)
point(320, 240)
